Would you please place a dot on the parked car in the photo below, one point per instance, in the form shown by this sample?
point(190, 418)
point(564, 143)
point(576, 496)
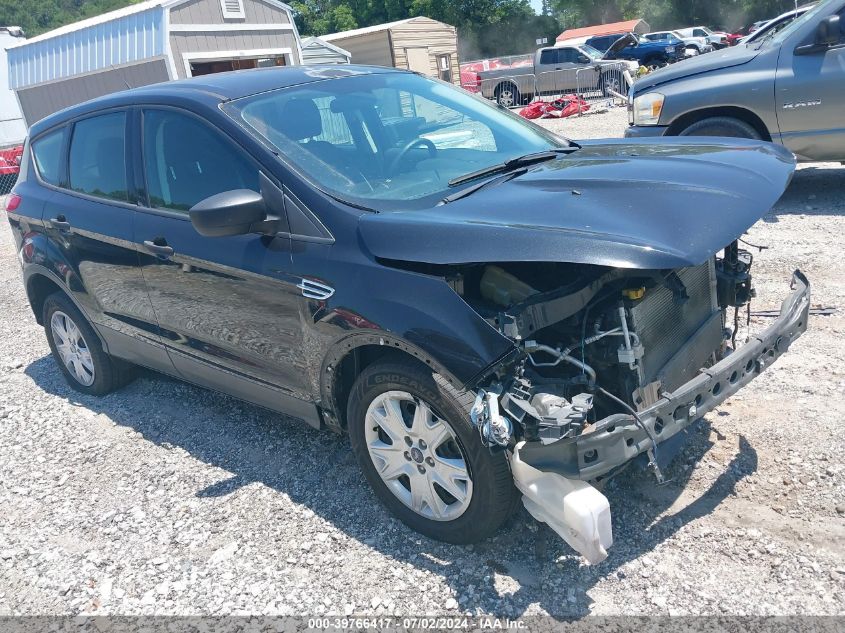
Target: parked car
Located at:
point(644, 51)
point(10, 164)
point(787, 88)
point(776, 24)
point(557, 70)
point(692, 45)
point(521, 314)
point(735, 37)
point(716, 38)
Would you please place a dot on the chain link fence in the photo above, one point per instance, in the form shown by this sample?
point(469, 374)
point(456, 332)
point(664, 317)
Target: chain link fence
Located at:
point(10, 163)
point(604, 82)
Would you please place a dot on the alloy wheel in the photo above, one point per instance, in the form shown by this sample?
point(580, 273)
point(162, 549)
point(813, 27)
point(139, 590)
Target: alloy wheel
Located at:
point(72, 348)
point(506, 98)
point(417, 455)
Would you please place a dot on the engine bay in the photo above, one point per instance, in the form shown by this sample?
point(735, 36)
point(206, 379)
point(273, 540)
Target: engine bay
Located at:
point(606, 341)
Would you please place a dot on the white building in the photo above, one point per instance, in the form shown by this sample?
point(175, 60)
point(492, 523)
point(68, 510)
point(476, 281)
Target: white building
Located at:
point(12, 127)
point(146, 43)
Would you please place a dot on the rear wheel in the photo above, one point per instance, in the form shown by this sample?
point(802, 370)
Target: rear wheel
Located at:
point(507, 95)
point(722, 126)
point(77, 349)
point(692, 51)
point(411, 434)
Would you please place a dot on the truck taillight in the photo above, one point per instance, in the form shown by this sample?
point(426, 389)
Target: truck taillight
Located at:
point(13, 201)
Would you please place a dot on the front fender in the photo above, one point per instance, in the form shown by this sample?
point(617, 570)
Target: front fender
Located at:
point(417, 314)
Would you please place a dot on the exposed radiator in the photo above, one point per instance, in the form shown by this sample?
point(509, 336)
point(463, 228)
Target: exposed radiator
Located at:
point(678, 337)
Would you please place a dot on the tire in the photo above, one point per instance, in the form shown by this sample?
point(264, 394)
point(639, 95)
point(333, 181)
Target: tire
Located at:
point(610, 83)
point(507, 95)
point(486, 484)
point(694, 50)
point(91, 371)
point(722, 126)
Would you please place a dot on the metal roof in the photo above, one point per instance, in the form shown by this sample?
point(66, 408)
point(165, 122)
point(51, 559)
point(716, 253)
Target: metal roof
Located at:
point(120, 37)
point(131, 34)
point(599, 29)
point(319, 41)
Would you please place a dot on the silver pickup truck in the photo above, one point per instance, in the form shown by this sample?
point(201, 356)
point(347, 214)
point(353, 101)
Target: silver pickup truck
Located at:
point(558, 70)
point(788, 87)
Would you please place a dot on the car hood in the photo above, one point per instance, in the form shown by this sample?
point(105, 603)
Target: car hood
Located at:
point(656, 204)
point(624, 41)
point(724, 58)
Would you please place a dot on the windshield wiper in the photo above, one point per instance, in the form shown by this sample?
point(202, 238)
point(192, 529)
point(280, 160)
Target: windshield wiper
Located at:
point(514, 163)
point(463, 193)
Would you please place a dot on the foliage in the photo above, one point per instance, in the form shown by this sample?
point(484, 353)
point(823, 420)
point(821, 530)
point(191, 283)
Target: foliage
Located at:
point(37, 16)
point(669, 14)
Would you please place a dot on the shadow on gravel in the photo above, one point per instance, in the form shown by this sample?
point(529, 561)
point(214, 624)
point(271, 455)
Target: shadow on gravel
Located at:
point(519, 567)
point(815, 190)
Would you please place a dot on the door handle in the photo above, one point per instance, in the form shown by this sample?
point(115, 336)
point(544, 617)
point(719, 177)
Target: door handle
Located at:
point(158, 249)
point(60, 223)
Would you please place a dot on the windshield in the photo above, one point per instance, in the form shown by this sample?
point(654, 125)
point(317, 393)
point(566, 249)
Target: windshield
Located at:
point(593, 53)
point(386, 141)
point(797, 23)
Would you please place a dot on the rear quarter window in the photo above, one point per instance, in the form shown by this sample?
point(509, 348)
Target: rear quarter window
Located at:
point(97, 161)
point(47, 155)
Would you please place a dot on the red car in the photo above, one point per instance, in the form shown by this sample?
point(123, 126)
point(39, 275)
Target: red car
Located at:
point(10, 165)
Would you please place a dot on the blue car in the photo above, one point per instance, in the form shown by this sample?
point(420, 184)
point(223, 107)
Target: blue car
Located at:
point(644, 51)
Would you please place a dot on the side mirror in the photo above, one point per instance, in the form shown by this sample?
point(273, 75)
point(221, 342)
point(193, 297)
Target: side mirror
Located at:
point(828, 33)
point(229, 213)
point(583, 59)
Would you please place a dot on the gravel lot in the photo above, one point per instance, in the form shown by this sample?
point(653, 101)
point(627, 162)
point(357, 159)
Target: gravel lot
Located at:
point(165, 498)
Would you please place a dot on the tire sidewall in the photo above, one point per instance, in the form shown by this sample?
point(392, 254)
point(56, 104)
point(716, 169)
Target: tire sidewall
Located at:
point(472, 525)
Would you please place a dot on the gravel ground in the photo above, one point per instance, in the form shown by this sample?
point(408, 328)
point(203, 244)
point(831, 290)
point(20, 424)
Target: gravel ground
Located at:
point(164, 498)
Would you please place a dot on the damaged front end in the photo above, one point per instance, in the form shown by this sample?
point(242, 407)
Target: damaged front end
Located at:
point(610, 366)
point(616, 274)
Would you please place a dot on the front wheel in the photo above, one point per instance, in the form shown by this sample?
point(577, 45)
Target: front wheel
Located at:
point(412, 436)
point(611, 85)
point(722, 126)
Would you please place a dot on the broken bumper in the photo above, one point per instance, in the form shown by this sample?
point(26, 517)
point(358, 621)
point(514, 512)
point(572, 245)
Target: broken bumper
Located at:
point(618, 439)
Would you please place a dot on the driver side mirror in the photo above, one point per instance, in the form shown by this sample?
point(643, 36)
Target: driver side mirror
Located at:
point(229, 213)
point(583, 59)
point(828, 33)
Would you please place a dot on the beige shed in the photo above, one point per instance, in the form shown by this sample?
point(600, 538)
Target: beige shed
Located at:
point(419, 44)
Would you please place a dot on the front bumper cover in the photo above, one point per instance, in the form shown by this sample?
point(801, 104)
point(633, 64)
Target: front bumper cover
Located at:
point(618, 438)
point(645, 131)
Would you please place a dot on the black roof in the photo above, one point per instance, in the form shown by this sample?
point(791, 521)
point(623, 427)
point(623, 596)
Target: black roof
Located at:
point(242, 83)
point(214, 88)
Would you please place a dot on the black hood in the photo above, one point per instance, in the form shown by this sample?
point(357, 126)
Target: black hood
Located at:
point(723, 58)
point(626, 40)
point(661, 203)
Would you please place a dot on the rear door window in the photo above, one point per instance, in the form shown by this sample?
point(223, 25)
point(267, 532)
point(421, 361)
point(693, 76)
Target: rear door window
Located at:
point(47, 154)
point(186, 161)
point(97, 161)
point(549, 56)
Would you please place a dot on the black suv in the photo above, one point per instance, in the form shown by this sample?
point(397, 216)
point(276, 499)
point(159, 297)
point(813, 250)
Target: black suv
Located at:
point(477, 302)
